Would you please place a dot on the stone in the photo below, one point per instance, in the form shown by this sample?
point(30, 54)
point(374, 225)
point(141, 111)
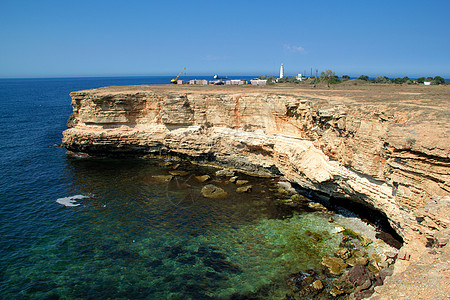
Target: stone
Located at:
point(317, 285)
point(317, 206)
point(343, 284)
point(298, 281)
point(366, 241)
point(335, 292)
point(386, 272)
point(241, 182)
point(202, 178)
point(391, 254)
point(178, 173)
point(160, 178)
point(244, 189)
point(225, 173)
point(359, 253)
point(357, 275)
point(363, 294)
point(442, 237)
point(343, 253)
point(335, 265)
point(213, 192)
point(353, 261)
point(286, 187)
point(373, 267)
point(233, 179)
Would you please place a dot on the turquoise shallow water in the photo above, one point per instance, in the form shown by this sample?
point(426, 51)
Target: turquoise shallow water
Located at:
point(129, 235)
point(135, 237)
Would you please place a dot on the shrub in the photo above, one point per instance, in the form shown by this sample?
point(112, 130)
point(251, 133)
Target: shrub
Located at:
point(381, 79)
point(364, 77)
point(438, 80)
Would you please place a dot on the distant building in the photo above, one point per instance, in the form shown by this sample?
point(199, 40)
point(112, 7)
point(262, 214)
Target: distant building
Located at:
point(180, 81)
point(281, 71)
point(427, 83)
point(299, 77)
point(258, 82)
point(235, 82)
point(197, 81)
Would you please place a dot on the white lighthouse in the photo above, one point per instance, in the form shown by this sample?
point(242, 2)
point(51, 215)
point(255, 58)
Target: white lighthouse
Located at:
point(282, 71)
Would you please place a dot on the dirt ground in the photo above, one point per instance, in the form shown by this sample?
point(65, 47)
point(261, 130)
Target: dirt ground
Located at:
point(351, 91)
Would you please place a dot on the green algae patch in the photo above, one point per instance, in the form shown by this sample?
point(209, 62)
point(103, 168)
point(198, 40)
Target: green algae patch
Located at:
point(350, 233)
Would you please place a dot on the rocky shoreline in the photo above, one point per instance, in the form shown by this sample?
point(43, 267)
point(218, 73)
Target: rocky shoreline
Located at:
point(388, 149)
point(359, 264)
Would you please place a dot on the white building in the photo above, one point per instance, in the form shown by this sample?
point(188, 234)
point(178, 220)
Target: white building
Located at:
point(282, 71)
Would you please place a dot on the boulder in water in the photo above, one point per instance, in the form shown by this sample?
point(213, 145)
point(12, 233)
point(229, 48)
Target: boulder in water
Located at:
point(244, 189)
point(202, 178)
point(213, 192)
point(334, 264)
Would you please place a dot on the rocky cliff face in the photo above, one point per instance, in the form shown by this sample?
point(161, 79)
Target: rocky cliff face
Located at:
point(394, 158)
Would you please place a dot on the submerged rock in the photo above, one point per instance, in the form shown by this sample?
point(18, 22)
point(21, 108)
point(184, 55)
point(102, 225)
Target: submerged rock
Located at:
point(317, 206)
point(178, 173)
point(244, 189)
point(202, 178)
point(159, 179)
point(222, 266)
point(353, 261)
point(298, 281)
point(343, 253)
point(233, 179)
point(213, 192)
point(335, 265)
point(357, 275)
point(241, 182)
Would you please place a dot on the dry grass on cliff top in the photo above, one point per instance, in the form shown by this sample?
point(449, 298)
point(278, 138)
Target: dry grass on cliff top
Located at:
point(435, 96)
point(406, 96)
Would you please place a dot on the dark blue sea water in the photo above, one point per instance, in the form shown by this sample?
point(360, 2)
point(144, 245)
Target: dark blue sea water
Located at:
point(131, 235)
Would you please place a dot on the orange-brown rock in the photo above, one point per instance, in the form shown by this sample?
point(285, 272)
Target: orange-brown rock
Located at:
point(385, 146)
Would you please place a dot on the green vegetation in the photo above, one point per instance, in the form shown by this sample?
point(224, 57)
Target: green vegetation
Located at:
point(292, 79)
point(270, 79)
point(329, 77)
point(350, 233)
point(364, 77)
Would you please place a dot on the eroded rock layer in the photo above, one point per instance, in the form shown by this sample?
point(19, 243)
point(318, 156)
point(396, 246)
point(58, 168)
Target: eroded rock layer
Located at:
point(393, 156)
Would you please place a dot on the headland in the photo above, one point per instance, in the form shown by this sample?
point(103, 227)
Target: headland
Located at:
point(384, 146)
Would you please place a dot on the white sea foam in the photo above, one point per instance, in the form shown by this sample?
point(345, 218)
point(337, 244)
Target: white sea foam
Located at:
point(70, 201)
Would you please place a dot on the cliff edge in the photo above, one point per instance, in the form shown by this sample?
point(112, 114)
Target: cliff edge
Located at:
point(387, 147)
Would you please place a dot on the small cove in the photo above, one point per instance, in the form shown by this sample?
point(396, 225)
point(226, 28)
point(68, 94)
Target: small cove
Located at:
point(140, 232)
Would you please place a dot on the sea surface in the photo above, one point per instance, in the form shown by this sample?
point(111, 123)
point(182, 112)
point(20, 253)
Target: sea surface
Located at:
point(115, 229)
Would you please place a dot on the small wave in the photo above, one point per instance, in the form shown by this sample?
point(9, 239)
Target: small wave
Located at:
point(70, 201)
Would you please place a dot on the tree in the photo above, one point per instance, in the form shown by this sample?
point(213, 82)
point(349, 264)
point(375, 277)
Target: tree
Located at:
point(345, 77)
point(438, 80)
point(420, 80)
point(329, 77)
point(381, 79)
point(364, 77)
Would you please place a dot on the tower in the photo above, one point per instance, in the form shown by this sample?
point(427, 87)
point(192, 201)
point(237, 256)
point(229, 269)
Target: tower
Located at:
point(282, 71)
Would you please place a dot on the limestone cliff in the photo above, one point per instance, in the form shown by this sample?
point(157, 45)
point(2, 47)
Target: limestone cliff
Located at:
point(392, 154)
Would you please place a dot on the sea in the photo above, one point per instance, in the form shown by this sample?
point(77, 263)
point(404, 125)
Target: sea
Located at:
point(127, 228)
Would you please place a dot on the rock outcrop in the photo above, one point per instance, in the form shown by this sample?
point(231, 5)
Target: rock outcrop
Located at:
point(391, 154)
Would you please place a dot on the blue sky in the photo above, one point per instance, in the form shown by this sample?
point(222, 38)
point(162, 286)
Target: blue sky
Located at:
point(116, 38)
